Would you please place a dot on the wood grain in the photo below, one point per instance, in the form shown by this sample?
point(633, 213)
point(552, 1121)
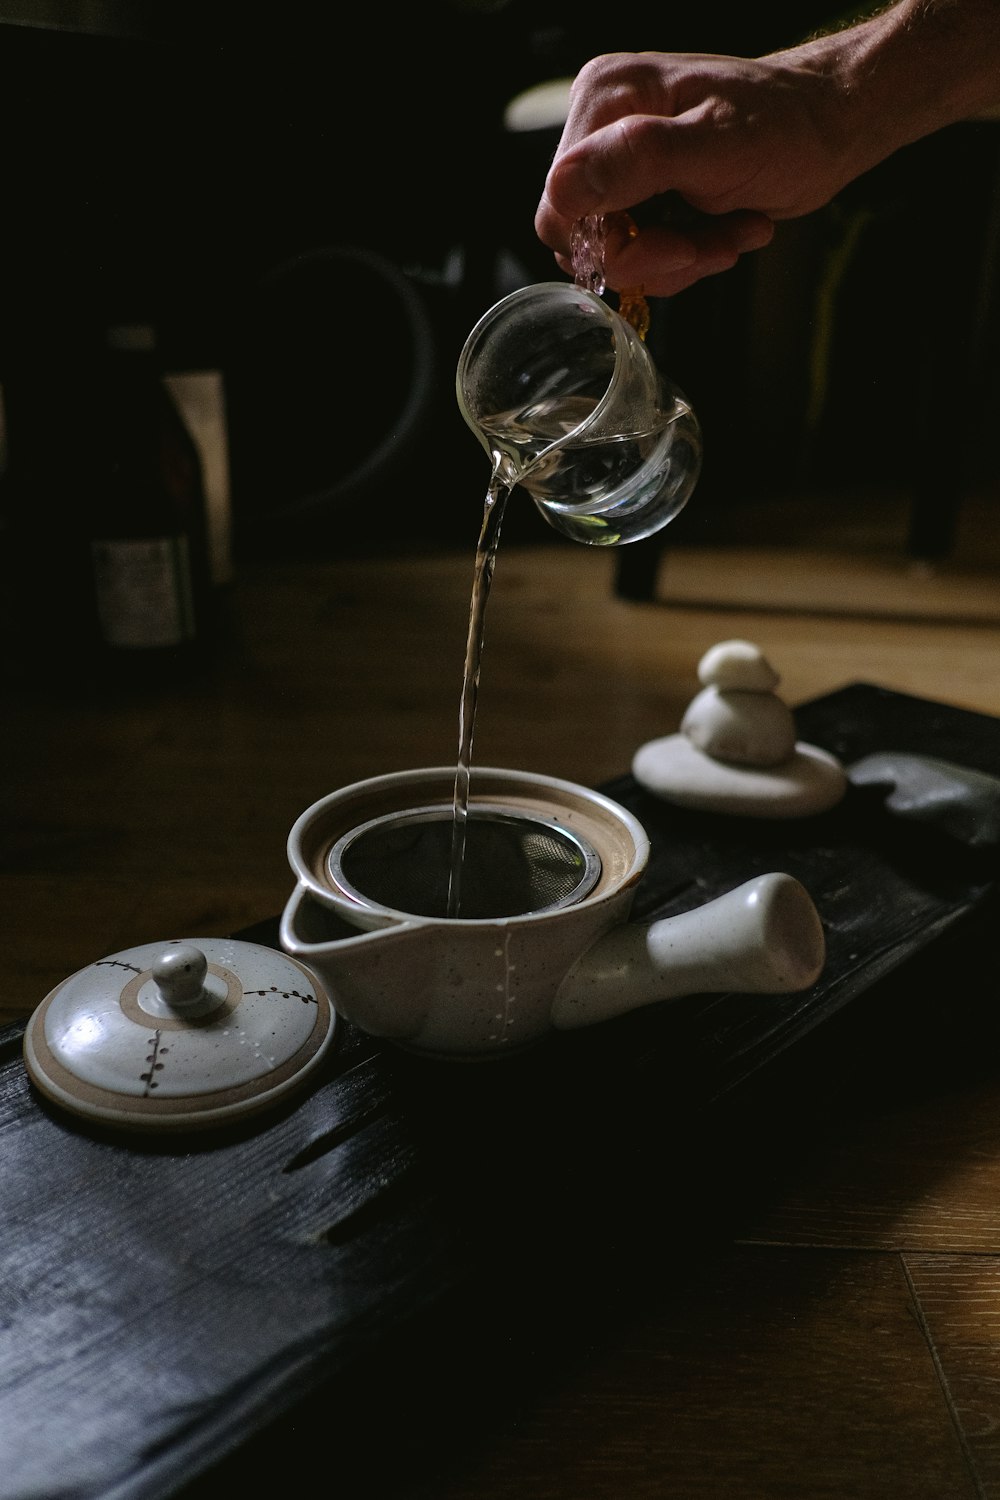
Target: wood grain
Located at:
point(808, 1308)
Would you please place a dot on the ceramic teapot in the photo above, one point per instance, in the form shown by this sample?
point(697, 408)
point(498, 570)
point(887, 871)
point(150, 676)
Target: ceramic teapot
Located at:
point(547, 945)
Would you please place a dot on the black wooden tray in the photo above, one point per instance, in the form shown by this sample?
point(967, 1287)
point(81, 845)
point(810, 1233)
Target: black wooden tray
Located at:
point(177, 1314)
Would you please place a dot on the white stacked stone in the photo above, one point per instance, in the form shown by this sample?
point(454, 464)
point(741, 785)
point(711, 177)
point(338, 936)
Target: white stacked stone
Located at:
point(736, 750)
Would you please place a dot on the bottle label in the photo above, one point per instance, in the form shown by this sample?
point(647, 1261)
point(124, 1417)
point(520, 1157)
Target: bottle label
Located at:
point(144, 593)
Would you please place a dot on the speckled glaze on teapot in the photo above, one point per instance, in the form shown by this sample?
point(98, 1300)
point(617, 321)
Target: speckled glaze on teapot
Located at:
point(488, 986)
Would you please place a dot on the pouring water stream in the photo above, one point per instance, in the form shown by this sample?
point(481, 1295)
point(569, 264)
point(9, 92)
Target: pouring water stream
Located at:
point(511, 463)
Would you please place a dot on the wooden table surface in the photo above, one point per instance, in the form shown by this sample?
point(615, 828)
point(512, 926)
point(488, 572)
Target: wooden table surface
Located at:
point(816, 1310)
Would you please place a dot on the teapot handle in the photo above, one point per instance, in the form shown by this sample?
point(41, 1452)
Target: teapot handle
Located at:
point(763, 937)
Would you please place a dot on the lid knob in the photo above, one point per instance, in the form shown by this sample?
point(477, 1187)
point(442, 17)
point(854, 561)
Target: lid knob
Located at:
point(180, 972)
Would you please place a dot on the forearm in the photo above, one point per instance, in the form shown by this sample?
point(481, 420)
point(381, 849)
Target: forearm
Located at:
point(909, 70)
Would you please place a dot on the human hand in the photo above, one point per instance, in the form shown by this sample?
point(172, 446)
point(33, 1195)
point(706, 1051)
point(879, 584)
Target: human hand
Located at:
point(738, 143)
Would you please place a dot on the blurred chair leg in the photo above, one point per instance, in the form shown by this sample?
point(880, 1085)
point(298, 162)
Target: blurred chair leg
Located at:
point(963, 324)
point(636, 570)
point(934, 513)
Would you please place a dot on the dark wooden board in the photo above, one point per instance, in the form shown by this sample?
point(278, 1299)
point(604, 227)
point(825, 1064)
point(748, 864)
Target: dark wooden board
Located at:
point(170, 1308)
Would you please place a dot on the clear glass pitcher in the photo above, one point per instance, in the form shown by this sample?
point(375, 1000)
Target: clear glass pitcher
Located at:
point(566, 399)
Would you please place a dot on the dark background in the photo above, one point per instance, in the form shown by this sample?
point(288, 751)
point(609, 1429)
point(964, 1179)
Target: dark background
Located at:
point(320, 202)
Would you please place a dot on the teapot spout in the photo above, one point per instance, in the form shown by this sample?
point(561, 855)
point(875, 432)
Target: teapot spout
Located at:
point(763, 937)
point(361, 969)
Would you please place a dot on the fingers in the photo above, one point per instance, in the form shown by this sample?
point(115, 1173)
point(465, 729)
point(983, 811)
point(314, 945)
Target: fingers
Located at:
point(699, 130)
point(663, 261)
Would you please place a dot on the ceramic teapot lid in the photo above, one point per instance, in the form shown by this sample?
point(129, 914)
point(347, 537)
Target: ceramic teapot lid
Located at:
point(179, 1035)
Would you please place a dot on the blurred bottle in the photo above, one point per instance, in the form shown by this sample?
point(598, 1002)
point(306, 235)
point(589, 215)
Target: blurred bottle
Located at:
point(103, 520)
point(146, 517)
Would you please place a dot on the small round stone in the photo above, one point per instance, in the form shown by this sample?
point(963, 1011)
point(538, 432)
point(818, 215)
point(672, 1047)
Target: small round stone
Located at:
point(747, 728)
point(737, 664)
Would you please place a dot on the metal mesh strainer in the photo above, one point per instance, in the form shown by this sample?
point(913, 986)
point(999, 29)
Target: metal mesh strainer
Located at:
point(514, 863)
